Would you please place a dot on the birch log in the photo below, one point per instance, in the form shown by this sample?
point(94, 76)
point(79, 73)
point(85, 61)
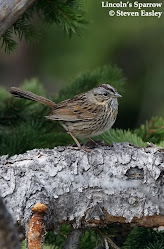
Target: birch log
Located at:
point(11, 11)
point(120, 183)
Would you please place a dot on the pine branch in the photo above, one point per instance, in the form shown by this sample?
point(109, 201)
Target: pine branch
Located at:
point(90, 239)
point(152, 131)
point(161, 144)
point(68, 14)
point(86, 81)
point(23, 126)
point(7, 41)
point(58, 238)
point(144, 238)
point(11, 11)
point(116, 135)
point(23, 28)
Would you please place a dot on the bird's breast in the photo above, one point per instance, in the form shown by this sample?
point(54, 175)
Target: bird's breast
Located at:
point(102, 121)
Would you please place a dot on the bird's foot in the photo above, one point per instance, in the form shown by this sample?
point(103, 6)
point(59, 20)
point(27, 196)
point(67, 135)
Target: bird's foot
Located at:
point(84, 149)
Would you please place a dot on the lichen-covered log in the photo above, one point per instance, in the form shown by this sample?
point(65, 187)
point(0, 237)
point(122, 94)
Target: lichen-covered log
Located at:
point(121, 183)
point(11, 11)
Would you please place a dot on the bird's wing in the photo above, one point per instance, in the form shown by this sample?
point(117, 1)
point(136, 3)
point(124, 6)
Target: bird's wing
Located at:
point(72, 111)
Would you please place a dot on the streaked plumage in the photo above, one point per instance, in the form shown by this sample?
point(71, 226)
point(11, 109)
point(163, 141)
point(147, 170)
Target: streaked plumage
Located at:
point(85, 115)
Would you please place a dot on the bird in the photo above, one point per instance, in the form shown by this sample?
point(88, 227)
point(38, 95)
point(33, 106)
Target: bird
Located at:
point(85, 115)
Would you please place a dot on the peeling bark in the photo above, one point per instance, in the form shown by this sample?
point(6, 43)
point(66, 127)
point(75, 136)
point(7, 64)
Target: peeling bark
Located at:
point(121, 183)
point(11, 11)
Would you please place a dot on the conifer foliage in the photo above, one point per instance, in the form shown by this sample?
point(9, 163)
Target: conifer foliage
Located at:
point(144, 238)
point(22, 122)
point(24, 127)
point(68, 14)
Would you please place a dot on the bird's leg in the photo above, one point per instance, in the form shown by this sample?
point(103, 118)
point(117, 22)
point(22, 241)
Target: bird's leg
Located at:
point(92, 141)
point(76, 141)
point(96, 143)
point(78, 144)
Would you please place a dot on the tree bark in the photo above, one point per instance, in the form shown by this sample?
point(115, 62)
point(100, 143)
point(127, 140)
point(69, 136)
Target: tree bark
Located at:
point(73, 239)
point(8, 235)
point(121, 183)
point(11, 11)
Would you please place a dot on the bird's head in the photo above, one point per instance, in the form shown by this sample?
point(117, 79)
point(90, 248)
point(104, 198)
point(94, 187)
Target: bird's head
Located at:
point(104, 93)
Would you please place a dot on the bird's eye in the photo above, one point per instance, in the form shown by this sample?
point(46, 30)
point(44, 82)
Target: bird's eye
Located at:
point(105, 94)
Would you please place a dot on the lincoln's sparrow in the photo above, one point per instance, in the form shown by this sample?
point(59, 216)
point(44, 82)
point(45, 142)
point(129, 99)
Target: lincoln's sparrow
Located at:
point(85, 115)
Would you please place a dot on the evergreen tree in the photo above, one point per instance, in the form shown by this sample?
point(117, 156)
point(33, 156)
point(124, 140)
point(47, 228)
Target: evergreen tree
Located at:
point(69, 15)
point(23, 126)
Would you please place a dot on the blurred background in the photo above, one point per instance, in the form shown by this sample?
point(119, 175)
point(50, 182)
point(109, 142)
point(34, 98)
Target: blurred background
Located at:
point(134, 44)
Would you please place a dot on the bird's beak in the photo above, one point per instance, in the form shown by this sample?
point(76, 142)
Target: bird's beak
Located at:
point(117, 95)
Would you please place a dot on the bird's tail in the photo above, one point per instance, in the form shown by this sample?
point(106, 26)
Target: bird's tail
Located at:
point(31, 96)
